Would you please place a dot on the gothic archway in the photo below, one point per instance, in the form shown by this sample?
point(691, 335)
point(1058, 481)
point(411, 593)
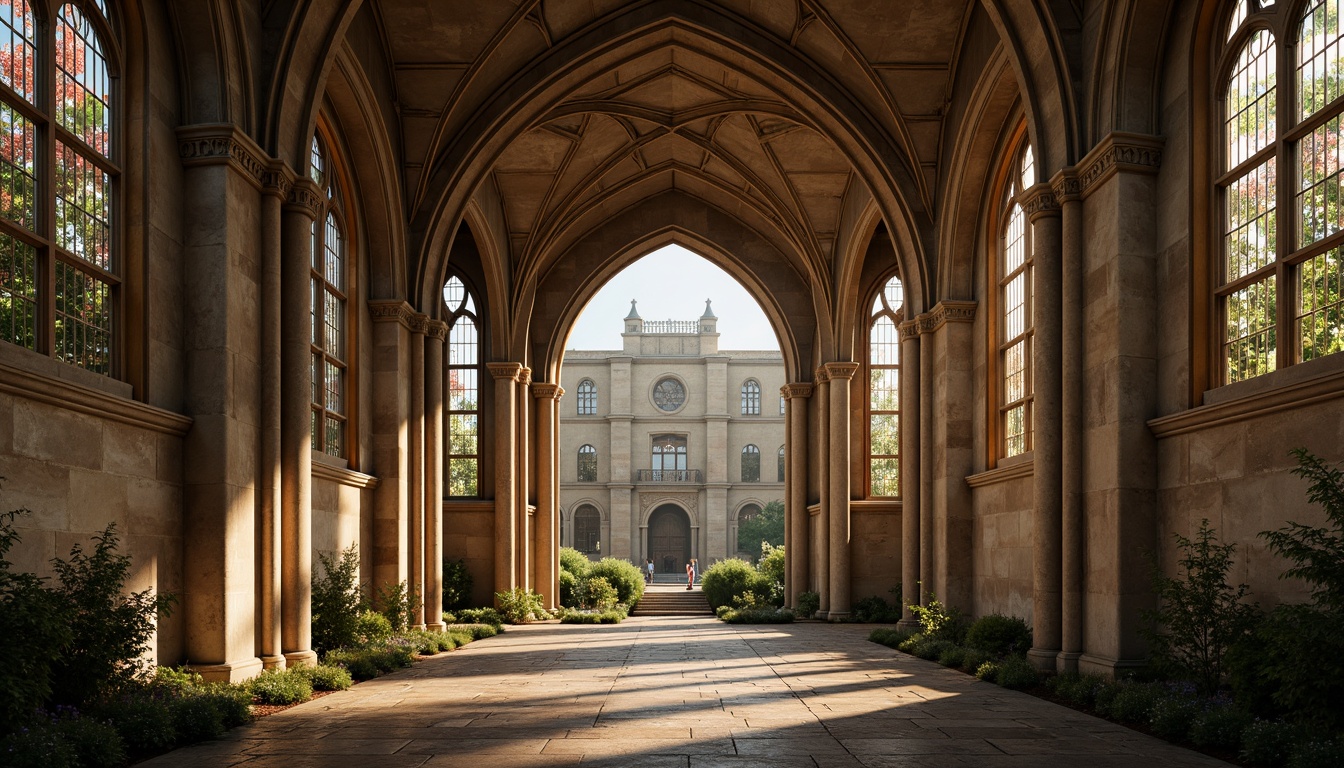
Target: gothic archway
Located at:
point(670, 539)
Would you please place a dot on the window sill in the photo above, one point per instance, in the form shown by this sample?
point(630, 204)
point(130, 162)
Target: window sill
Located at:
point(337, 470)
point(1294, 387)
point(1022, 465)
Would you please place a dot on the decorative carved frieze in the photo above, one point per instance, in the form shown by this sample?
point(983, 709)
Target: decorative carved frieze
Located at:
point(222, 144)
point(546, 391)
point(391, 311)
point(1131, 152)
point(504, 371)
point(909, 329)
point(949, 311)
point(305, 197)
point(841, 370)
point(1040, 201)
point(791, 391)
point(436, 329)
point(691, 501)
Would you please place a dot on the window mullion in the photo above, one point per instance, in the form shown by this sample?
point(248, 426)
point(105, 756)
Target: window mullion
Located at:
point(1286, 198)
point(46, 183)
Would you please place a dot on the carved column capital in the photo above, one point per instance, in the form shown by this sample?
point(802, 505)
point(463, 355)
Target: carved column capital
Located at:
point(1119, 152)
point(305, 197)
point(391, 311)
point(841, 370)
point(436, 329)
point(525, 376)
point(910, 328)
point(1068, 187)
point(504, 371)
point(547, 391)
point(222, 144)
point(821, 375)
point(277, 180)
point(949, 311)
point(791, 391)
point(1039, 201)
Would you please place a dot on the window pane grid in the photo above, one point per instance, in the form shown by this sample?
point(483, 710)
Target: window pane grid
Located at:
point(1015, 326)
point(751, 398)
point(669, 452)
point(779, 469)
point(1320, 315)
point(587, 464)
point(884, 393)
point(18, 168)
point(18, 33)
point(83, 86)
point(1319, 173)
point(751, 464)
point(18, 292)
point(83, 320)
point(587, 398)
point(83, 215)
point(1252, 342)
point(463, 391)
point(1251, 239)
point(1251, 100)
point(1318, 53)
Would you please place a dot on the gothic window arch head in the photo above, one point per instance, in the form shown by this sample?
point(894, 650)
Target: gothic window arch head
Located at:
point(751, 398)
point(751, 464)
point(464, 377)
point(587, 464)
point(587, 398)
point(76, 250)
point(1278, 283)
point(1013, 264)
point(884, 389)
point(329, 306)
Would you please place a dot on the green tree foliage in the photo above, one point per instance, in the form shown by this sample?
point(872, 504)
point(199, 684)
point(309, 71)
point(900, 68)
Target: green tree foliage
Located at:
point(1199, 615)
point(1316, 551)
point(337, 601)
point(574, 561)
point(457, 584)
point(35, 632)
point(622, 575)
point(767, 527)
point(733, 578)
point(398, 604)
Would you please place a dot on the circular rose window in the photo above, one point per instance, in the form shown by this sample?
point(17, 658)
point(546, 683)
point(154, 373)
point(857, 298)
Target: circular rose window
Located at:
point(669, 394)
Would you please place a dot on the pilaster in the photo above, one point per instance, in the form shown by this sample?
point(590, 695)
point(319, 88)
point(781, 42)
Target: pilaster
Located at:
point(822, 541)
point(948, 327)
point(796, 542)
point(841, 375)
point(391, 441)
point(910, 471)
point(546, 572)
point(436, 332)
point(1068, 190)
point(506, 450)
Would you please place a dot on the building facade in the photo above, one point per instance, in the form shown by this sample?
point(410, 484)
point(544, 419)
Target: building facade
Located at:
point(668, 443)
point(1051, 282)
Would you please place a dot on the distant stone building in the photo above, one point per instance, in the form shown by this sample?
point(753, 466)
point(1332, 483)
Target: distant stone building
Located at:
point(667, 443)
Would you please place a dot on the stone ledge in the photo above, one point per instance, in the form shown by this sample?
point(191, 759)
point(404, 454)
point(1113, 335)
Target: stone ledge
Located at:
point(875, 507)
point(1002, 474)
point(343, 476)
point(74, 397)
point(1285, 398)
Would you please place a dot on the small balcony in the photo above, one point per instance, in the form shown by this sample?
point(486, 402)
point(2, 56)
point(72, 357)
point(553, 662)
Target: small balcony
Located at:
point(669, 476)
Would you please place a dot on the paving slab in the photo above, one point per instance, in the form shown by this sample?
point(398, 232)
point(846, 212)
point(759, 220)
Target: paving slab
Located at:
point(680, 692)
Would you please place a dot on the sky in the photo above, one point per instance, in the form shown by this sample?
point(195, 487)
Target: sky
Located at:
point(672, 283)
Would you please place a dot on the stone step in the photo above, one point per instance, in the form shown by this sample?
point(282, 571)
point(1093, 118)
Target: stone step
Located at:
point(673, 603)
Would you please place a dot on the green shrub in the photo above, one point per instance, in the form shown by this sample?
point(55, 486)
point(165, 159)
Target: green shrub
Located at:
point(1080, 689)
point(610, 616)
point(1219, 726)
point(481, 616)
point(1200, 616)
point(64, 740)
point(1133, 702)
point(808, 604)
point(518, 605)
point(336, 602)
point(931, 648)
point(35, 631)
point(282, 687)
point(368, 663)
point(939, 621)
point(457, 584)
point(1317, 553)
point(999, 635)
point(1017, 673)
point(908, 644)
point(110, 631)
point(622, 575)
point(597, 594)
point(476, 631)
point(1292, 665)
point(762, 614)
point(568, 585)
point(371, 627)
point(1269, 742)
point(232, 702)
point(574, 561)
point(892, 638)
point(972, 658)
point(729, 579)
point(326, 677)
point(1173, 714)
point(953, 656)
point(197, 718)
point(988, 671)
point(144, 720)
point(398, 604)
point(874, 608)
point(1318, 753)
point(178, 680)
point(771, 569)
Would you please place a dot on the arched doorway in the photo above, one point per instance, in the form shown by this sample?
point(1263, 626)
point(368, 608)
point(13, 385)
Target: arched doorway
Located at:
point(669, 539)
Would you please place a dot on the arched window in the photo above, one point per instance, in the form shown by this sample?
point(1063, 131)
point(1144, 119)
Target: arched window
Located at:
point(751, 464)
point(781, 405)
point(588, 530)
point(1279, 286)
point(464, 376)
point(884, 391)
point(328, 305)
point(745, 515)
point(751, 398)
point(587, 464)
point(780, 473)
point(1014, 315)
point(587, 398)
point(669, 456)
point(61, 266)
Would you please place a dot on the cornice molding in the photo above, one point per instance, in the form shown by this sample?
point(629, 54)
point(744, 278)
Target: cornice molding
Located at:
point(842, 370)
point(504, 371)
point(1040, 201)
point(343, 476)
point(546, 391)
point(791, 391)
point(222, 144)
point(950, 311)
point(391, 311)
point(436, 329)
point(91, 402)
point(1119, 151)
point(1291, 397)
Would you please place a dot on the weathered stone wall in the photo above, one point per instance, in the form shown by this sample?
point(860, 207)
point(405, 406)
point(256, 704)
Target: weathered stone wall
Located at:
point(469, 535)
point(1001, 530)
point(875, 550)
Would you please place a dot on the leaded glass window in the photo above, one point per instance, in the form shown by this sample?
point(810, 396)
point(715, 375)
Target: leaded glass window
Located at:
point(60, 267)
point(1015, 327)
point(328, 264)
point(587, 464)
point(669, 452)
point(751, 398)
point(464, 377)
point(587, 398)
point(588, 530)
point(751, 464)
point(1280, 279)
point(884, 390)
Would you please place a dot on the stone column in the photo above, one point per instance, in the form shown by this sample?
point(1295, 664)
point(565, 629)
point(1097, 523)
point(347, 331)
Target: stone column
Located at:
point(506, 452)
point(546, 574)
point(522, 411)
point(623, 451)
point(278, 181)
point(390, 440)
point(910, 471)
point(415, 546)
point(926, 461)
point(1043, 213)
point(949, 325)
point(795, 489)
point(436, 331)
point(296, 422)
point(1067, 191)
point(221, 183)
point(822, 543)
point(841, 374)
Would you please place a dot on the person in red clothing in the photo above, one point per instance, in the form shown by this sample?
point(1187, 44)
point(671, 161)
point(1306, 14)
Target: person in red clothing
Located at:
point(690, 575)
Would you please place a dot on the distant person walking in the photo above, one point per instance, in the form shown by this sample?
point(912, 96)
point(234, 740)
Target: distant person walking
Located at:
point(648, 571)
point(690, 574)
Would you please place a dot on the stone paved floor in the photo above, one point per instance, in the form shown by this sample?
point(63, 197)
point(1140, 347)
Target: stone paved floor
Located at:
point(679, 691)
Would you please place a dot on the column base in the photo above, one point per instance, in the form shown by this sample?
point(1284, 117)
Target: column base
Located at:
point(229, 672)
point(1089, 664)
point(273, 662)
point(439, 627)
point(837, 615)
point(301, 659)
point(1043, 659)
point(1067, 663)
point(908, 625)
